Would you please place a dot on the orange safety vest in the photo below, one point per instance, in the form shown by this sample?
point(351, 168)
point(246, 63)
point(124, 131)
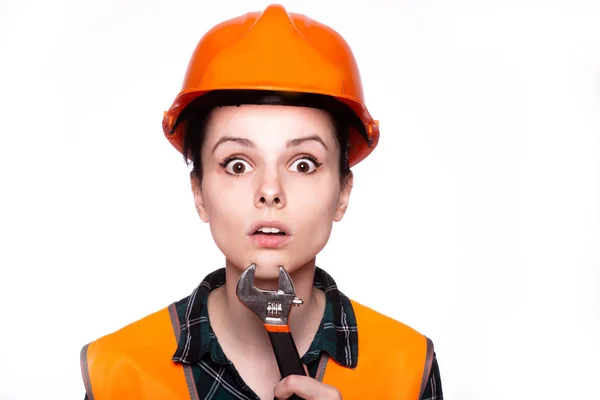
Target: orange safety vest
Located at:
point(136, 361)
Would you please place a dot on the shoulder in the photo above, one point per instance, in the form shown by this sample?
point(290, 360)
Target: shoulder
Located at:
point(147, 328)
point(155, 329)
point(115, 365)
point(372, 320)
point(380, 334)
point(388, 351)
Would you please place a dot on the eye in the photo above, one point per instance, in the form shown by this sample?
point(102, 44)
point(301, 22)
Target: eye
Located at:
point(237, 166)
point(304, 165)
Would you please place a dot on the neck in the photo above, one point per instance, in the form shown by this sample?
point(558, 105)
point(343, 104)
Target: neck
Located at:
point(246, 331)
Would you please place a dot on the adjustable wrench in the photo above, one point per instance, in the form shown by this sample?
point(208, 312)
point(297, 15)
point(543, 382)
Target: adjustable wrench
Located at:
point(273, 308)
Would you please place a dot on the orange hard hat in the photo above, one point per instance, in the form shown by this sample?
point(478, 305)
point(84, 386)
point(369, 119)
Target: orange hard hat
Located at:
point(274, 50)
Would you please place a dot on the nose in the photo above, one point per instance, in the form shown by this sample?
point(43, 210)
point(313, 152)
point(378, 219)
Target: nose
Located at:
point(270, 193)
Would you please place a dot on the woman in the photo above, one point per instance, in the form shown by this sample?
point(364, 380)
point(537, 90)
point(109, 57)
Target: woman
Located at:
point(271, 116)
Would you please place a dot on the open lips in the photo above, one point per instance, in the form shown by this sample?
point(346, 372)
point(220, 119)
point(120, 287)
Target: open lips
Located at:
point(270, 234)
point(269, 231)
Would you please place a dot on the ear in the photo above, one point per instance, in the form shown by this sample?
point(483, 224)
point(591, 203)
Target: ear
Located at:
point(198, 197)
point(344, 198)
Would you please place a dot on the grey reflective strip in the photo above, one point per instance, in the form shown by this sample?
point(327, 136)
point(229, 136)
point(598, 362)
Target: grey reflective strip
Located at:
point(321, 368)
point(189, 377)
point(187, 368)
point(86, 373)
point(427, 369)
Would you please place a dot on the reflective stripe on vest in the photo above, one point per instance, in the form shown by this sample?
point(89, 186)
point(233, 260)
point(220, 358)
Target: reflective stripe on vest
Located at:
point(136, 361)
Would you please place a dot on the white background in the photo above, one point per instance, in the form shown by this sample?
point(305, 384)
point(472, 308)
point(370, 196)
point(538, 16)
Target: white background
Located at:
point(476, 220)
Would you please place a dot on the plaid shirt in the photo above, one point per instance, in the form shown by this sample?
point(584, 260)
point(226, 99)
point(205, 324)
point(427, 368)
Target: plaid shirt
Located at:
point(216, 377)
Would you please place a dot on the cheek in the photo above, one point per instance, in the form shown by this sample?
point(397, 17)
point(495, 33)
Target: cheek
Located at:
point(226, 203)
point(318, 198)
point(314, 208)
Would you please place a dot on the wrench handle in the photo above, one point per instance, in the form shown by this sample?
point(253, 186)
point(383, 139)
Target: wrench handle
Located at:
point(286, 353)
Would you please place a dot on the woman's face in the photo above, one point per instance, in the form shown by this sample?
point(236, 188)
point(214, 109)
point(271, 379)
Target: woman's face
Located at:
point(271, 186)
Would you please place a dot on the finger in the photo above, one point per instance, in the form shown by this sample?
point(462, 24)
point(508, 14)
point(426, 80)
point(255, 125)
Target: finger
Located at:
point(305, 387)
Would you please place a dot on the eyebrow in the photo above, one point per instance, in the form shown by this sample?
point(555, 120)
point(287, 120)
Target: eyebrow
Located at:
point(242, 141)
point(299, 141)
point(248, 143)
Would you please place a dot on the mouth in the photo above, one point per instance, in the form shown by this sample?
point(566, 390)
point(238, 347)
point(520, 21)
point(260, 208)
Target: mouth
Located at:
point(269, 228)
point(270, 234)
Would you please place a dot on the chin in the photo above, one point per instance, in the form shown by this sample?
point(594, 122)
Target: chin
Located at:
point(267, 271)
point(268, 263)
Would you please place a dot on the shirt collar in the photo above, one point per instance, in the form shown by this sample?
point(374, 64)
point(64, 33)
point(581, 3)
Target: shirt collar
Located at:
point(337, 334)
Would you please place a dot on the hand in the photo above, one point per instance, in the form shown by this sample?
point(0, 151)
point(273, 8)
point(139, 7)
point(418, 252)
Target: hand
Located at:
point(305, 387)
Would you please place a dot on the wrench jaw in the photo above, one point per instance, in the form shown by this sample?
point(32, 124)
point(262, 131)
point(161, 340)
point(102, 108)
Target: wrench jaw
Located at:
point(286, 286)
point(271, 306)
